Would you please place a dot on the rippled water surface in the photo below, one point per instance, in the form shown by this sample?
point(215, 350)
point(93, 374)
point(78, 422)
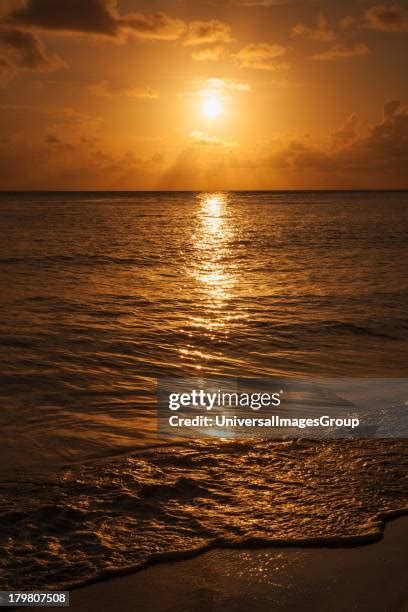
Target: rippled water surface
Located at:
point(102, 293)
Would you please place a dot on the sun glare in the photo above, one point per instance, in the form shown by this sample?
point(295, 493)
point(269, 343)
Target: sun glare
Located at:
point(212, 107)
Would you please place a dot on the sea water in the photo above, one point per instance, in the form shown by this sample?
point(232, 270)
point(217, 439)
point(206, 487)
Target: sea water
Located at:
point(103, 293)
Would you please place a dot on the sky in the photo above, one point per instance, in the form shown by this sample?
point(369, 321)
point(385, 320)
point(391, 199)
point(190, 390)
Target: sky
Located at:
point(203, 94)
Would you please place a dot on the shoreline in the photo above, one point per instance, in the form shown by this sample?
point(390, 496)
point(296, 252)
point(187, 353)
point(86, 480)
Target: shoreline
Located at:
point(332, 577)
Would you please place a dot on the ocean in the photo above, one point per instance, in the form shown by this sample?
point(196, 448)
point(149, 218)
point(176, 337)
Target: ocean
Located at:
point(104, 293)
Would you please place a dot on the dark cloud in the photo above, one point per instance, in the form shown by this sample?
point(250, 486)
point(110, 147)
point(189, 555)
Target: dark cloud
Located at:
point(389, 139)
point(348, 131)
point(52, 138)
point(87, 16)
point(387, 18)
point(378, 158)
point(98, 17)
point(20, 47)
point(257, 3)
point(90, 140)
point(390, 108)
point(29, 164)
point(4, 64)
point(24, 51)
point(54, 119)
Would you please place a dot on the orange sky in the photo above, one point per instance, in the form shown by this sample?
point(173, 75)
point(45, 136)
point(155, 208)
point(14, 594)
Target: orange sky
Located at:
point(98, 94)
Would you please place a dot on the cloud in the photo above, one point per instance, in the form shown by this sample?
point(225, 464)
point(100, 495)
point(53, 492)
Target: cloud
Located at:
point(98, 17)
point(321, 32)
point(200, 138)
point(52, 138)
point(374, 156)
point(209, 54)
point(67, 17)
point(108, 89)
point(51, 163)
point(391, 18)
point(227, 84)
point(390, 108)
point(208, 32)
point(63, 118)
point(261, 56)
point(84, 16)
point(354, 156)
point(347, 22)
point(25, 52)
point(158, 26)
point(343, 52)
point(262, 3)
point(199, 89)
point(348, 131)
point(265, 3)
point(377, 158)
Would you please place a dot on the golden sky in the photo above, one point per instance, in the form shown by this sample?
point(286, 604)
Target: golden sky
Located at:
point(215, 94)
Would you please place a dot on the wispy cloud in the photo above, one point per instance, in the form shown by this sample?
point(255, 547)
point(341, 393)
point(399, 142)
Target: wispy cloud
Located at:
point(320, 32)
point(158, 26)
point(231, 84)
point(262, 56)
point(108, 89)
point(208, 32)
point(343, 52)
point(209, 54)
point(200, 138)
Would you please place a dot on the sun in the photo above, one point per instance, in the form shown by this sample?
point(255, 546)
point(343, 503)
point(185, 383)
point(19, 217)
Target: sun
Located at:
point(212, 107)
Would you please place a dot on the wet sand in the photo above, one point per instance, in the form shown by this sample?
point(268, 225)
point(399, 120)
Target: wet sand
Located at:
point(368, 578)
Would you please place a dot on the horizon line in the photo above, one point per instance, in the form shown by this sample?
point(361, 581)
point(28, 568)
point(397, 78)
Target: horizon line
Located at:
point(287, 190)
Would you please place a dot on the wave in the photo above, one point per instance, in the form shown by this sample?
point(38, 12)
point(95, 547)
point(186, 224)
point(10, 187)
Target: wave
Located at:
point(112, 517)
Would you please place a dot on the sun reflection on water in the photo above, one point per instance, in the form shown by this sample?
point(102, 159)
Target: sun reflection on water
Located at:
point(212, 271)
point(212, 244)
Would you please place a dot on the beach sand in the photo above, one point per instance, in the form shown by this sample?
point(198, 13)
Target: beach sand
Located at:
point(365, 578)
